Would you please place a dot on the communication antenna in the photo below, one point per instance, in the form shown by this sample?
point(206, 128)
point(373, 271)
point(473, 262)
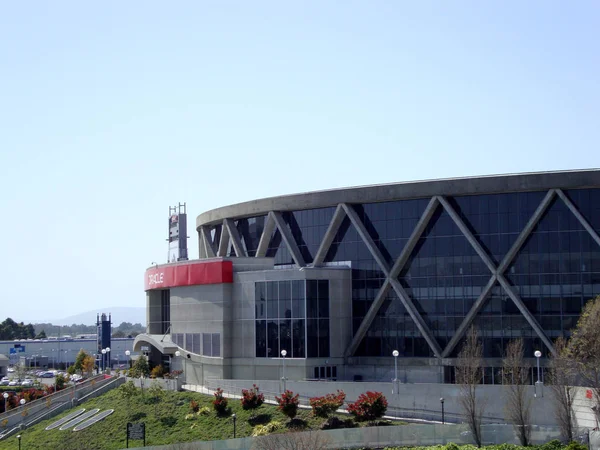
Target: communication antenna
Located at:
point(178, 237)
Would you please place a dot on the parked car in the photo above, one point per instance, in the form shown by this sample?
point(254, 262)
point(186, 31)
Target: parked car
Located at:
point(14, 383)
point(4, 382)
point(47, 375)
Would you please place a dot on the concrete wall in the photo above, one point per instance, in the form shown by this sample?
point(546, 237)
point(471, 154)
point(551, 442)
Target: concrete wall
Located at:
point(421, 401)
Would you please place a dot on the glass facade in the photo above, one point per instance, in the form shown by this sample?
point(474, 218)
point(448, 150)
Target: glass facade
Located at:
point(555, 272)
point(292, 316)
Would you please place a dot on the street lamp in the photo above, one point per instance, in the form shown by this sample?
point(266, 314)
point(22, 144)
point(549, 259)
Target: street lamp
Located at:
point(108, 357)
point(22, 402)
point(233, 416)
point(103, 362)
point(442, 402)
point(19, 439)
point(5, 395)
point(128, 354)
point(283, 354)
point(395, 354)
point(538, 383)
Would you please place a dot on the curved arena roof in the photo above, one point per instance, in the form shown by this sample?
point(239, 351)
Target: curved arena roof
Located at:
point(538, 181)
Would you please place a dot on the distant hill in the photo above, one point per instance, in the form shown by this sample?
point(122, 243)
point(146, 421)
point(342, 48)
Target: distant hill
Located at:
point(119, 314)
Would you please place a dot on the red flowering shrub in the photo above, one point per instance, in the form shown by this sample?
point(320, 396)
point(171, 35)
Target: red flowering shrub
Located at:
point(368, 406)
point(194, 406)
point(328, 404)
point(252, 398)
point(220, 402)
point(288, 403)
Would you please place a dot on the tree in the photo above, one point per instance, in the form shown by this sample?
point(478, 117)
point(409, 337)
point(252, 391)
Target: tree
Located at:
point(128, 391)
point(60, 382)
point(469, 373)
point(88, 364)
point(156, 393)
point(140, 367)
point(561, 383)
point(517, 405)
point(79, 365)
point(118, 334)
point(41, 335)
point(583, 349)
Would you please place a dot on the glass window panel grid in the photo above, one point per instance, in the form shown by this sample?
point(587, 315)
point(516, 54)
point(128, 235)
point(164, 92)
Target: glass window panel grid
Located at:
point(558, 255)
point(286, 325)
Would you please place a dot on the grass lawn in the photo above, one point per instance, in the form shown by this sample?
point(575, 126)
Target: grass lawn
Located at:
point(165, 421)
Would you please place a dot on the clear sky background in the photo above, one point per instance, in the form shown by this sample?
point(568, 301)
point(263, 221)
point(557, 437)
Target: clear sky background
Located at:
point(112, 111)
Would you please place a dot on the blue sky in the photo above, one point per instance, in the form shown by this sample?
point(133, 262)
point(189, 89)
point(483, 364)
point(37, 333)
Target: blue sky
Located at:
point(110, 112)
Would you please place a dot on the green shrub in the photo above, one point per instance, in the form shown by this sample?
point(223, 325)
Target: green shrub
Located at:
point(204, 411)
point(576, 446)
point(368, 406)
point(328, 404)
point(220, 402)
point(263, 430)
point(552, 445)
point(451, 446)
point(288, 403)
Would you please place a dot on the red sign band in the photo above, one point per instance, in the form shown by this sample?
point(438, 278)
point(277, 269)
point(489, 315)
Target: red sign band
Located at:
point(188, 274)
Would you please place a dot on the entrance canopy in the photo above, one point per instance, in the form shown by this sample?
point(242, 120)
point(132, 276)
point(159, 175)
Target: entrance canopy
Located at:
point(162, 343)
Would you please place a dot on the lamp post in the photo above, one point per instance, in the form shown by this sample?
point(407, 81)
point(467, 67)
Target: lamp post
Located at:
point(233, 416)
point(283, 354)
point(395, 354)
point(128, 354)
point(538, 383)
point(19, 439)
point(442, 402)
point(108, 357)
point(5, 395)
point(103, 362)
point(142, 384)
point(22, 402)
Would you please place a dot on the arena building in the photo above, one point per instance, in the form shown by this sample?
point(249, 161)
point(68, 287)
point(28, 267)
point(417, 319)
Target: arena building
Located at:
point(330, 284)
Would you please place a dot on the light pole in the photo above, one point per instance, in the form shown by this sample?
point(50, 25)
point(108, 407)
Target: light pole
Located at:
point(395, 354)
point(108, 357)
point(103, 362)
point(442, 402)
point(22, 402)
point(538, 383)
point(5, 395)
point(283, 353)
point(19, 439)
point(233, 416)
point(128, 354)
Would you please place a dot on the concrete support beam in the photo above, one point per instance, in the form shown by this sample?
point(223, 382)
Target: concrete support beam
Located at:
point(265, 237)
point(287, 237)
point(414, 237)
point(224, 242)
point(391, 276)
point(467, 233)
point(209, 250)
point(497, 273)
point(528, 316)
point(416, 317)
point(366, 238)
point(529, 226)
point(577, 214)
point(468, 320)
point(235, 238)
point(368, 320)
point(332, 229)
